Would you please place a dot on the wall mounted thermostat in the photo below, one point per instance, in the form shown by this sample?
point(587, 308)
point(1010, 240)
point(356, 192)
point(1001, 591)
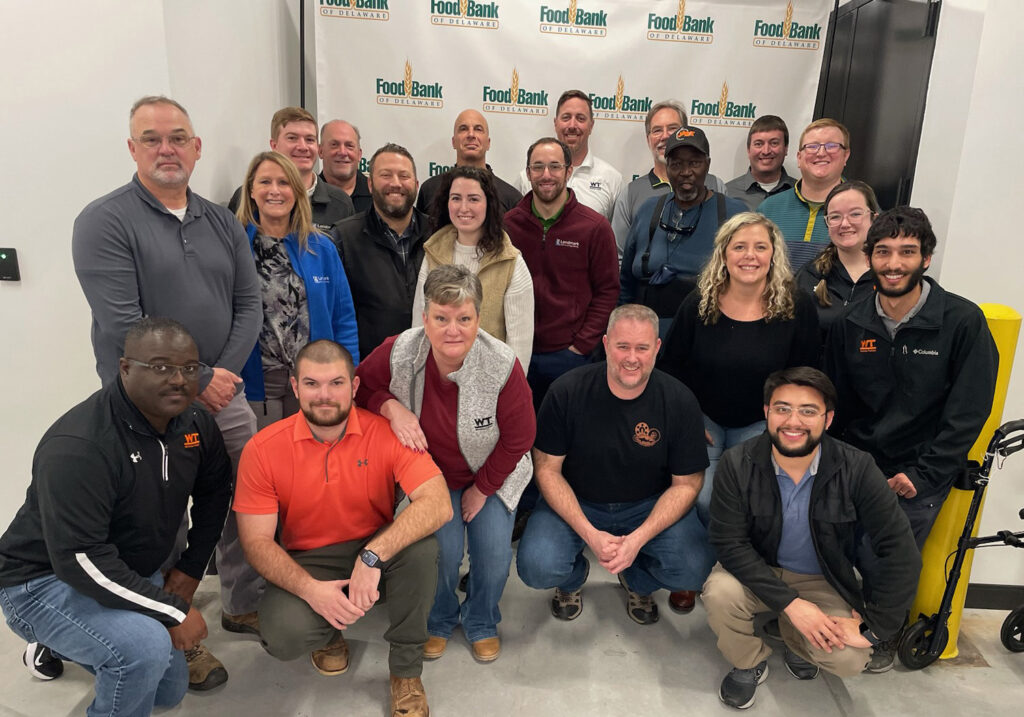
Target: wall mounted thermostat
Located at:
point(9, 265)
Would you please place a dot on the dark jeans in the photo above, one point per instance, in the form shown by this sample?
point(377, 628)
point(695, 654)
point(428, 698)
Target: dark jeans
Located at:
point(290, 628)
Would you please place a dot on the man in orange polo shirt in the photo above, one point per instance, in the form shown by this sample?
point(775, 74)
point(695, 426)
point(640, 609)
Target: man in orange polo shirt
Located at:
point(326, 476)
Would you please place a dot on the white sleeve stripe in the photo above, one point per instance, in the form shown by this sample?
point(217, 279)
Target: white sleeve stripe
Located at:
point(124, 593)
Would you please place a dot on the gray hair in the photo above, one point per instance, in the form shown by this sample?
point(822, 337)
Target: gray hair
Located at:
point(452, 285)
point(155, 100)
point(633, 312)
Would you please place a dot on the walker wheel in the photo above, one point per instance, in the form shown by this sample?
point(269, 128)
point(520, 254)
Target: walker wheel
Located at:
point(915, 646)
point(1012, 632)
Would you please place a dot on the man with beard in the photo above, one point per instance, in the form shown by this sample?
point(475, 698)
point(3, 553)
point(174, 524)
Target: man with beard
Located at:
point(595, 182)
point(293, 134)
point(767, 146)
point(80, 564)
point(619, 458)
point(662, 121)
point(785, 508)
point(325, 479)
point(340, 155)
point(382, 249)
point(570, 251)
point(915, 369)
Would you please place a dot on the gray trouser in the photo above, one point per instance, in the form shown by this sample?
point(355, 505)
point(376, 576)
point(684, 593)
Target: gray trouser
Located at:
point(240, 585)
point(290, 628)
point(279, 399)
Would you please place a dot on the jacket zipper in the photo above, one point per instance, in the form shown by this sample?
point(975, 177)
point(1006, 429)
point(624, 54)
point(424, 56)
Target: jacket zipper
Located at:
point(163, 461)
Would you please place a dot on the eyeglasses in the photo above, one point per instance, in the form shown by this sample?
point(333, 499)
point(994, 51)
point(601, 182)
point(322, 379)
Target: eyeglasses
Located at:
point(854, 217)
point(189, 372)
point(553, 167)
point(152, 141)
point(785, 410)
point(675, 224)
point(830, 147)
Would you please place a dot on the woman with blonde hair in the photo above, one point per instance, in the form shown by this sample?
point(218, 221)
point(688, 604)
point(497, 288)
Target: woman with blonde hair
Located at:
point(304, 287)
point(745, 321)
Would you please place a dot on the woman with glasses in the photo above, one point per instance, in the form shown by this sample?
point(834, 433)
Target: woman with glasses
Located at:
point(469, 233)
point(745, 321)
point(304, 288)
point(839, 275)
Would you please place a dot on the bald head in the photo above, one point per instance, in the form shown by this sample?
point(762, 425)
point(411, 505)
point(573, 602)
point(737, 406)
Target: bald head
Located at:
point(471, 139)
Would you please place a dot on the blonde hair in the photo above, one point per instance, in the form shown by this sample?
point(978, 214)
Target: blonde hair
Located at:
point(714, 278)
point(301, 224)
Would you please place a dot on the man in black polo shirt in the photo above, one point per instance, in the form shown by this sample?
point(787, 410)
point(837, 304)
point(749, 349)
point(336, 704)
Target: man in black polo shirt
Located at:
point(340, 156)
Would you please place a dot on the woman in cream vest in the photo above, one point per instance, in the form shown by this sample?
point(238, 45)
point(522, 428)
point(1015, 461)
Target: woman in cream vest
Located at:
point(469, 233)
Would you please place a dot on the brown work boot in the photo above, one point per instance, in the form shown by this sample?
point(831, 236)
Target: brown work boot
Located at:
point(204, 670)
point(247, 622)
point(487, 650)
point(333, 659)
point(435, 647)
point(408, 698)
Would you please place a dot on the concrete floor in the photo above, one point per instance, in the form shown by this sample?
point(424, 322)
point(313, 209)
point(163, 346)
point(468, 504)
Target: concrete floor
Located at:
point(600, 664)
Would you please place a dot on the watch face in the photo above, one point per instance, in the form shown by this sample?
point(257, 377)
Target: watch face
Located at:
point(369, 558)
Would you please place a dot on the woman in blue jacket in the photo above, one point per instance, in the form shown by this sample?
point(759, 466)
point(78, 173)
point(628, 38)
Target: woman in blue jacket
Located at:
point(305, 292)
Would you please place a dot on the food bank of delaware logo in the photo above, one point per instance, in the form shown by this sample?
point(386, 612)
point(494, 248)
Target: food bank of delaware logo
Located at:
point(464, 13)
point(681, 27)
point(620, 106)
point(515, 99)
point(722, 112)
point(573, 20)
point(408, 92)
point(356, 9)
point(787, 34)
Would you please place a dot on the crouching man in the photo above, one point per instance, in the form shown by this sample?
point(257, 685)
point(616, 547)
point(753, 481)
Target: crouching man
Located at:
point(327, 478)
point(787, 511)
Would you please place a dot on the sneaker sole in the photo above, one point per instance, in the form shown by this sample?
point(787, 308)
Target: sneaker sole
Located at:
point(811, 677)
point(880, 670)
point(750, 703)
point(28, 658)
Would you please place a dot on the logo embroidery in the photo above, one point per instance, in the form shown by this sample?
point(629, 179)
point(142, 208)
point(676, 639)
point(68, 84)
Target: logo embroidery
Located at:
point(567, 243)
point(867, 346)
point(136, 457)
point(361, 462)
point(191, 440)
point(482, 424)
point(925, 352)
point(646, 436)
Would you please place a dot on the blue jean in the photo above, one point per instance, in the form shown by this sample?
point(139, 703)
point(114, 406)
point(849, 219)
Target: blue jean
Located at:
point(551, 553)
point(724, 437)
point(129, 653)
point(489, 536)
point(546, 367)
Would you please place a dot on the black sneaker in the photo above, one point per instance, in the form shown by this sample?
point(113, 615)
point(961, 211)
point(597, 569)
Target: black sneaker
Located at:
point(771, 630)
point(738, 687)
point(567, 605)
point(641, 608)
point(883, 655)
point(41, 662)
point(799, 667)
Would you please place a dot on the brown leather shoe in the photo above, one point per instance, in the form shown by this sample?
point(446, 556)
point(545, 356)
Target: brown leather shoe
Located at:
point(333, 659)
point(247, 622)
point(487, 650)
point(435, 647)
point(204, 670)
point(682, 601)
point(408, 698)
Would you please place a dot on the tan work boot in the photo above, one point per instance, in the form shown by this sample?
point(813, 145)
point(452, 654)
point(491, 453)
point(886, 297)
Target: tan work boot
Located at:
point(204, 670)
point(333, 659)
point(435, 647)
point(408, 698)
point(247, 622)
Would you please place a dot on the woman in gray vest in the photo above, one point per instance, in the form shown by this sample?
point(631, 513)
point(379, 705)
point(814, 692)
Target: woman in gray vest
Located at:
point(452, 389)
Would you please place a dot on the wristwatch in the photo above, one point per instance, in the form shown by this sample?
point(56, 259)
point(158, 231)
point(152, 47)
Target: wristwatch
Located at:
point(372, 560)
point(865, 631)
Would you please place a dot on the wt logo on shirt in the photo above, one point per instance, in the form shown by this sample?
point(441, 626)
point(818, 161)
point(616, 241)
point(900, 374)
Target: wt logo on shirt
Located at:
point(481, 424)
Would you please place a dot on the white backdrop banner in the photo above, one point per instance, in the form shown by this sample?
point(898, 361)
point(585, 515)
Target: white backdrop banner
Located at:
point(401, 70)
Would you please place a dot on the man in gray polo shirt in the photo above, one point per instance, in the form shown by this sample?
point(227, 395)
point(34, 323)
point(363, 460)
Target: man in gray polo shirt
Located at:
point(154, 248)
point(767, 146)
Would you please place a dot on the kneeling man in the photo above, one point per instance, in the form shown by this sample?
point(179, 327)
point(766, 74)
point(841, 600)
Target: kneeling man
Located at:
point(619, 459)
point(327, 478)
point(787, 511)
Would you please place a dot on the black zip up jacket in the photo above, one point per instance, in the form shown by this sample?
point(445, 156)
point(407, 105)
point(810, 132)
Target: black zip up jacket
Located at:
point(850, 497)
point(916, 403)
point(106, 500)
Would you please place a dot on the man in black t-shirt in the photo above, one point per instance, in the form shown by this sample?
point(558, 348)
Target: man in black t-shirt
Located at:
point(619, 459)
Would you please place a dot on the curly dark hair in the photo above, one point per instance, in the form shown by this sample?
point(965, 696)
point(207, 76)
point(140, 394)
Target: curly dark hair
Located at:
point(493, 226)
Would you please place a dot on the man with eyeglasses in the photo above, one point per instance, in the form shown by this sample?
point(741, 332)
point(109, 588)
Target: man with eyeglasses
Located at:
point(661, 122)
point(293, 133)
point(821, 158)
point(767, 147)
point(785, 509)
point(83, 565)
point(672, 235)
point(595, 182)
point(570, 251)
point(155, 248)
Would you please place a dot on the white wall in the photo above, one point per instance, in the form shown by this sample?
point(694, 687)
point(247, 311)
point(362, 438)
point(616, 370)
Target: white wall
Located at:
point(968, 179)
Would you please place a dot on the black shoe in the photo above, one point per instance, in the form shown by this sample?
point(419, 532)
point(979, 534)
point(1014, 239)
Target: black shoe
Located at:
point(799, 667)
point(771, 630)
point(464, 583)
point(883, 655)
point(739, 686)
point(41, 662)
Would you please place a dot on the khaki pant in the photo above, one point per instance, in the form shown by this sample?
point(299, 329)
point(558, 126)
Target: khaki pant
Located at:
point(731, 608)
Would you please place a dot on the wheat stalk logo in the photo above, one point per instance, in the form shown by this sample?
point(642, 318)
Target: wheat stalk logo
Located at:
point(514, 87)
point(788, 22)
point(620, 91)
point(463, 5)
point(681, 16)
point(408, 79)
point(572, 12)
point(723, 101)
